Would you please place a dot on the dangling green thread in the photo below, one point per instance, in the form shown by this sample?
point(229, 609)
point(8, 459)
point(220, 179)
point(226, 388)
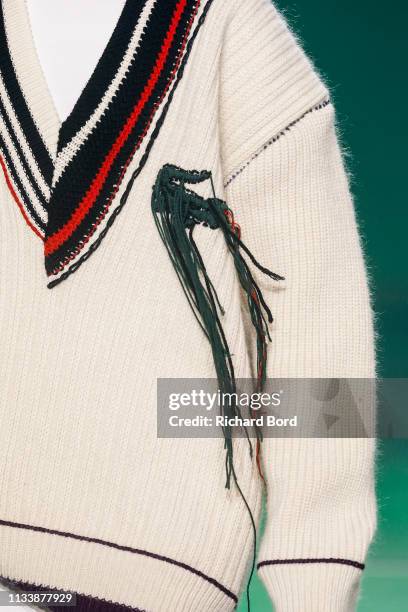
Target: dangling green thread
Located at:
point(177, 210)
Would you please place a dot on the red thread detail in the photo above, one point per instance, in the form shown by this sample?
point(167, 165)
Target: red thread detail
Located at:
point(231, 220)
point(258, 462)
point(16, 199)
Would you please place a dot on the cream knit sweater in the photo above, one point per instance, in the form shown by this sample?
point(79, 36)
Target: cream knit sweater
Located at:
point(91, 500)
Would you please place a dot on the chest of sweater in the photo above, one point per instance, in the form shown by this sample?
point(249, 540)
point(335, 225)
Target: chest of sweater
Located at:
point(108, 298)
point(92, 312)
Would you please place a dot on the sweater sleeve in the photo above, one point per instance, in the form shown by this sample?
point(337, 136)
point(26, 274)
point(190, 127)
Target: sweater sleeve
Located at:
point(285, 180)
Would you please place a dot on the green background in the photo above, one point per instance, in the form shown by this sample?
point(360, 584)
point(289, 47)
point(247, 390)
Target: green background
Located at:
point(360, 49)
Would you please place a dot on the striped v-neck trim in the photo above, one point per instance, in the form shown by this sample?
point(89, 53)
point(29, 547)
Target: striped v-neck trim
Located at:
point(27, 153)
point(66, 175)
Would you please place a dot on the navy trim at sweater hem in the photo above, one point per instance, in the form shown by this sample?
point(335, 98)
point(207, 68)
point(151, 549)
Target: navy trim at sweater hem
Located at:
point(123, 548)
point(355, 564)
point(84, 603)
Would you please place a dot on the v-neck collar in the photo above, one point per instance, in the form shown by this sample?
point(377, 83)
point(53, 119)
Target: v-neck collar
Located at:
point(65, 175)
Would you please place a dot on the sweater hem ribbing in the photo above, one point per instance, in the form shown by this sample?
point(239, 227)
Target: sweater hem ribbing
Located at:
point(55, 558)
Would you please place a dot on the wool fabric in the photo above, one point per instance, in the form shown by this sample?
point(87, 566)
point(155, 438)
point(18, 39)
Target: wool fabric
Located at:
point(92, 314)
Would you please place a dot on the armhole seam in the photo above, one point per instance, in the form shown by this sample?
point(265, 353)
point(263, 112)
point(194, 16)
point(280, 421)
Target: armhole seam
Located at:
point(231, 176)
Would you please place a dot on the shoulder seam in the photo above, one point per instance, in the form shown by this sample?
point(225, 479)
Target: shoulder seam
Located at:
point(233, 175)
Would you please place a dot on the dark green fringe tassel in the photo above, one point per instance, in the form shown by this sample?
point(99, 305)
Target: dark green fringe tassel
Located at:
point(177, 210)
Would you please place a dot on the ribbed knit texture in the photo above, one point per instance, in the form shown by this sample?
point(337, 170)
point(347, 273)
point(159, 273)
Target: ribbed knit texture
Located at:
point(90, 499)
